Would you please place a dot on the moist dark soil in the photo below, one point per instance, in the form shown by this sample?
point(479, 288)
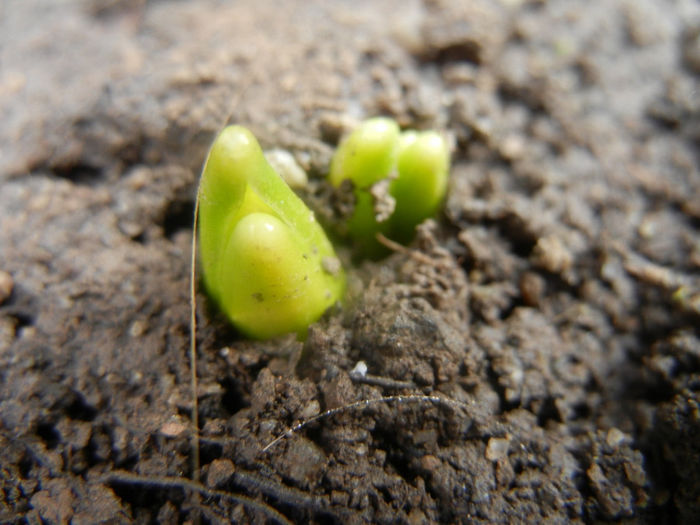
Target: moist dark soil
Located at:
point(538, 343)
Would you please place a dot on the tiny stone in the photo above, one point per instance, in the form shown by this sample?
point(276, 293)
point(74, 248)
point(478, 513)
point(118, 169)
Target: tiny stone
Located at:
point(360, 369)
point(172, 429)
point(532, 287)
point(286, 166)
point(551, 254)
point(220, 471)
point(513, 147)
point(497, 448)
point(429, 462)
point(131, 229)
point(138, 328)
point(6, 286)
point(305, 459)
point(311, 409)
point(615, 437)
point(635, 474)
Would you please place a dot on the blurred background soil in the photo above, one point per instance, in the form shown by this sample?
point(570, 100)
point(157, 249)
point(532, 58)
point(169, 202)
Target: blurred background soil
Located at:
point(555, 302)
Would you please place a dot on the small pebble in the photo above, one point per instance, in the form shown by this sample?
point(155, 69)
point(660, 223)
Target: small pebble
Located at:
point(430, 462)
point(284, 163)
point(513, 147)
point(138, 328)
point(172, 429)
point(551, 254)
point(532, 288)
point(634, 472)
point(220, 471)
point(360, 369)
point(497, 448)
point(615, 437)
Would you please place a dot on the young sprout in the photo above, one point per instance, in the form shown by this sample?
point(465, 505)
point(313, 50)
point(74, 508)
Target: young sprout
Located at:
point(423, 167)
point(266, 261)
point(368, 155)
point(399, 180)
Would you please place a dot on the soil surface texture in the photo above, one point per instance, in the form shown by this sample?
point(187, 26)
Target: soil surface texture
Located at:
point(534, 354)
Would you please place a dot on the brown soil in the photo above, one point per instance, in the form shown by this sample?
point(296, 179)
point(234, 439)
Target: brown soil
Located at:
point(555, 303)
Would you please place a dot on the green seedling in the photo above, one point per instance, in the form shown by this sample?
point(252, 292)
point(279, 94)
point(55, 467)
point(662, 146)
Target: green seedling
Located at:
point(423, 168)
point(399, 180)
point(266, 261)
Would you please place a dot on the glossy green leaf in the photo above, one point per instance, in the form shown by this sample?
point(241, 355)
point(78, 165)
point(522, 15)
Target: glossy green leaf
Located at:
point(415, 167)
point(264, 256)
